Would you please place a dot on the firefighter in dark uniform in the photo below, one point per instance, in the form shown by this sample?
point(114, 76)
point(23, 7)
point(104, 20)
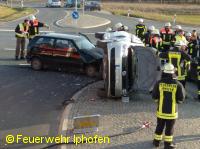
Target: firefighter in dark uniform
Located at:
point(198, 74)
point(179, 58)
point(167, 92)
point(34, 27)
point(167, 35)
point(21, 33)
point(140, 29)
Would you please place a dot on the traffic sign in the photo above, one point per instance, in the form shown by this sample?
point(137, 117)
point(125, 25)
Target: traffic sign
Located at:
point(75, 15)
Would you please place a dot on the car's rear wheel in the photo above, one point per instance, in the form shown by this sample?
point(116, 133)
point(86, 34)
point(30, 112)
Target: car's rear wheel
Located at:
point(36, 64)
point(91, 70)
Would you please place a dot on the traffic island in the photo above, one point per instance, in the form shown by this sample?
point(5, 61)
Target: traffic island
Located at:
point(123, 125)
point(9, 14)
point(84, 21)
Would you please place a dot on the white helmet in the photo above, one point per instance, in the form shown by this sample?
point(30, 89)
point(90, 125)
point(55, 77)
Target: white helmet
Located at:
point(178, 27)
point(109, 29)
point(140, 20)
point(188, 34)
point(151, 28)
point(155, 32)
point(118, 25)
point(32, 17)
point(126, 28)
point(168, 24)
point(169, 68)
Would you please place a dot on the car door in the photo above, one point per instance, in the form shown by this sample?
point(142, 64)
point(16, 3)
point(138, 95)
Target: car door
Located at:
point(45, 46)
point(66, 53)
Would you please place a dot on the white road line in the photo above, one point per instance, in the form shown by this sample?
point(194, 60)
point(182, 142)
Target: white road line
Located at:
point(11, 30)
point(24, 64)
point(9, 49)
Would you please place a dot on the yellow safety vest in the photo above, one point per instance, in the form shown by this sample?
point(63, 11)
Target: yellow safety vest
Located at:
point(177, 56)
point(21, 28)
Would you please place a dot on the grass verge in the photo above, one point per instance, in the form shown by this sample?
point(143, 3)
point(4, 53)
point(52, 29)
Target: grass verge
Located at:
point(8, 14)
point(185, 14)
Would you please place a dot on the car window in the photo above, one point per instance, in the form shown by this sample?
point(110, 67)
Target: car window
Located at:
point(45, 42)
point(63, 44)
point(83, 43)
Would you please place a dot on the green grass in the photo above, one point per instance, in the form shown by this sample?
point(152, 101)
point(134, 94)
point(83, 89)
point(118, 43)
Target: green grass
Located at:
point(8, 14)
point(186, 14)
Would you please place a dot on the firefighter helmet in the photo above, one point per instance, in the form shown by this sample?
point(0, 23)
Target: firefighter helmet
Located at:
point(118, 25)
point(156, 32)
point(140, 20)
point(32, 17)
point(188, 34)
point(168, 24)
point(151, 28)
point(126, 28)
point(109, 29)
point(169, 68)
point(178, 27)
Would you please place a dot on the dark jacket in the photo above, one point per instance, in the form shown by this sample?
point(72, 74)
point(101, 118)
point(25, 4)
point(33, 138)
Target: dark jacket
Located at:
point(34, 29)
point(178, 58)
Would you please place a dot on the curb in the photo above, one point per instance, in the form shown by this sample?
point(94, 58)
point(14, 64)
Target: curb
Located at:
point(88, 27)
point(67, 109)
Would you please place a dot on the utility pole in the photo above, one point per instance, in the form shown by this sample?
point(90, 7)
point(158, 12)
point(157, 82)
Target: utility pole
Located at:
point(83, 7)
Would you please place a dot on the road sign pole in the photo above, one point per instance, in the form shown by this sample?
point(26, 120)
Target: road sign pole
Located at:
point(76, 5)
point(83, 7)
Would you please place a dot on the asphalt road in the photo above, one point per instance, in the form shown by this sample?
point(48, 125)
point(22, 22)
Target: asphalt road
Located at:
point(30, 101)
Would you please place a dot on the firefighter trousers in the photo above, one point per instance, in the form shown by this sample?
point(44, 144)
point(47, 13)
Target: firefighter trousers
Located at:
point(183, 82)
point(168, 125)
point(198, 89)
point(20, 46)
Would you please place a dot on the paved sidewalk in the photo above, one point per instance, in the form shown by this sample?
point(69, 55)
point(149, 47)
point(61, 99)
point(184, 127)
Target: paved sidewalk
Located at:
point(117, 117)
point(85, 21)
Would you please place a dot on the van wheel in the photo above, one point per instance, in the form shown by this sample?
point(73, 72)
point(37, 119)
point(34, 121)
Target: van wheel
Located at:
point(36, 64)
point(91, 71)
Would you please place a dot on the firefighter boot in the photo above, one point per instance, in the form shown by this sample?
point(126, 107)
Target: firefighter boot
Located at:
point(156, 143)
point(169, 145)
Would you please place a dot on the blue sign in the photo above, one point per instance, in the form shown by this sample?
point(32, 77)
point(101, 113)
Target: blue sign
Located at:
point(75, 15)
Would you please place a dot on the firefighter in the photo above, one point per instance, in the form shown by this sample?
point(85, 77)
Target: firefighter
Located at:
point(180, 37)
point(177, 29)
point(21, 33)
point(34, 26)
point(192, 45)
point(179, 58)
point(156, 40)
point(148, 35)
point(167, 35)
point(167, 92)
point(198, 74)
point(140, 29)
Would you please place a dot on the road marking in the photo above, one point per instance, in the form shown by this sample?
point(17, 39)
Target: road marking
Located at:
point(8, 49)
point(11, 30)
point(24, 64)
